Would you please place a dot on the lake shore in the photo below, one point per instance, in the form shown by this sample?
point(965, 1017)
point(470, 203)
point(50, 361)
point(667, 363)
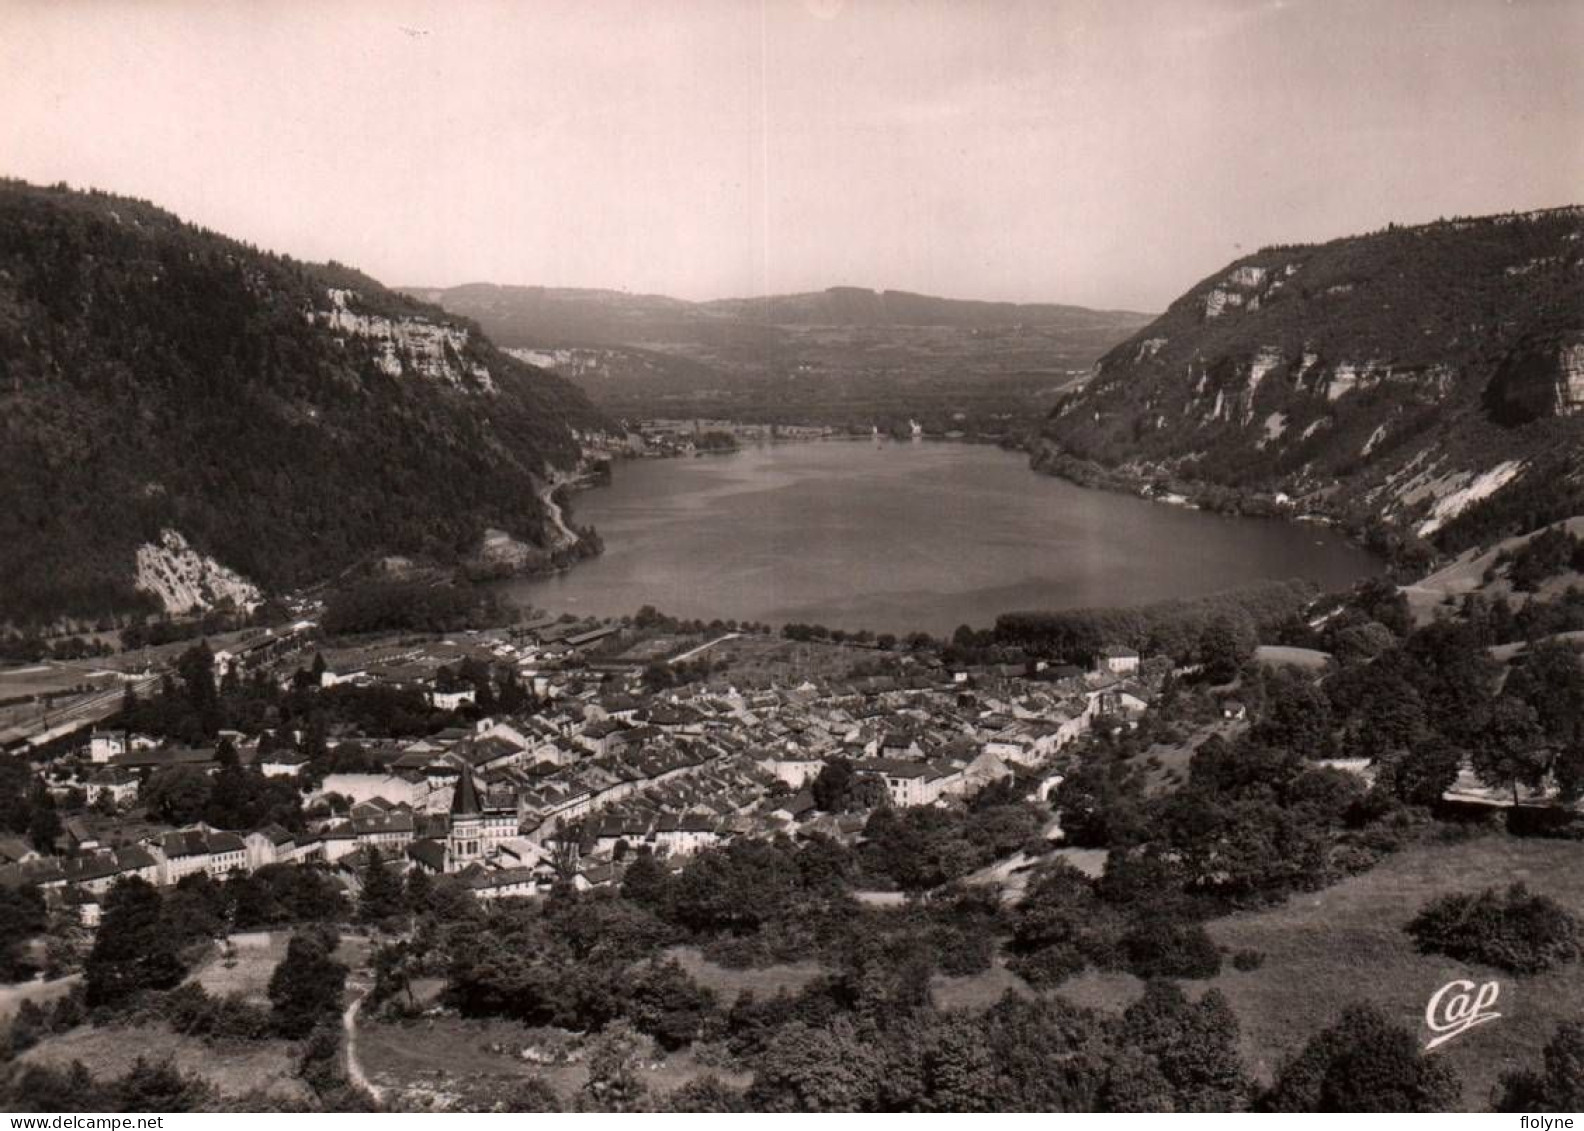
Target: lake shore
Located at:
point(902, 536)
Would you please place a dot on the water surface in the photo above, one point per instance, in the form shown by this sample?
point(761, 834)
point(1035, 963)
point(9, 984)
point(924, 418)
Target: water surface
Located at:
point(897, 537)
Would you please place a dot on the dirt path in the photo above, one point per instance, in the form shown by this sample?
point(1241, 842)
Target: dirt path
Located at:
point(354, 1070)
point(691, 652)
point(566, 536)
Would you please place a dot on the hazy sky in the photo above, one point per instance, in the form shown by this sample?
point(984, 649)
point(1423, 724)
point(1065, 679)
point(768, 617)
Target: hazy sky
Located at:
point(1108, 153)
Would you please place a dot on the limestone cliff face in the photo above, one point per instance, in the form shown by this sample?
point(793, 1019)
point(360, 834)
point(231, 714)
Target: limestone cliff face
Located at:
point(174, 399)
point(185, 581)
point(1539, 380)
point(1413, 373)
point(1570, 379)
point(406, 346)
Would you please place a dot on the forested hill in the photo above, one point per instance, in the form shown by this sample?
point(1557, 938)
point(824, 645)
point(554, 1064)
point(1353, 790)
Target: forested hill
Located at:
point(1432, 376)
point(846, 356)
point(186, 412)
point(571, 316)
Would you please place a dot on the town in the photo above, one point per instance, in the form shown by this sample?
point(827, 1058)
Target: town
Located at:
point(621, 739)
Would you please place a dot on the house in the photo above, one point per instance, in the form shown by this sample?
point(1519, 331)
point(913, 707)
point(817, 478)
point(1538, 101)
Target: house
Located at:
point(188, 852)
point(451, 700)
point(909, 783)
point(490, 884)
point(117, 783)
point(285, 763)
point(106, 744)
point(15, 850)
point(1118, 659)
point(1118, 701)
point(269, 845)
point(388, 831)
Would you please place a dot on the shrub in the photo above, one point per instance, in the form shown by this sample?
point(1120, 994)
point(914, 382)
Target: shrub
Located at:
point(1515, 931)
point(1247, 960)
point(1163, 948)
point(191, 1010)
point(1048, 967)
point(962, 951)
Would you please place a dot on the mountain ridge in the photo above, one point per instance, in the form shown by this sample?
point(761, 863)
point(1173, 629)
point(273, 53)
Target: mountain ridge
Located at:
point(835, 305)
point(172, 399)
point(844, 357)
point(1421, 374)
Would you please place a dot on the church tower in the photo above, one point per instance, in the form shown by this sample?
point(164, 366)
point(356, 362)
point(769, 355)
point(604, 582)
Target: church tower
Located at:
point(465, 841)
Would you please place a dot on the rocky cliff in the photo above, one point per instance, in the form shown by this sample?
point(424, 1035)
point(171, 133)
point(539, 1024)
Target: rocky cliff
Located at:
point(1422, 375)
point(185, 419)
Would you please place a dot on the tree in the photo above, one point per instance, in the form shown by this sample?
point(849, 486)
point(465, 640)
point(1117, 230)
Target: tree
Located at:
point(1426, 771)
point(1551, 680)
point(646, 882)
point(1559, 1085)
point(1514, 930)
point(177, 794)
point(832, 788)
point(196, 667)
point(703, 1094)
point(159, 1087)
point(1509, 749)
point(307, 986)
point(1297, 716)
point(1364, 1062)
point(44, 823)
point(1194, 1044)
point(613, 1083)
point(668, 1005)
point(382, 897)
point(196, 908)
point(22, 916)
point(818, 1069)
point(134, 950)
point(1224, 646)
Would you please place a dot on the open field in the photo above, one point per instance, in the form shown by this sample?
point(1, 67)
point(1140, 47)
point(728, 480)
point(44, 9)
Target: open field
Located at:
point(1171, 760)
point(1328, 948)
point(233, 1067)
point(976, 992)
point(1466, 574)
point(1278, 655)
point(450, 1061)
point(727, 983)
point(12, 996)
point(246, 965)
point(49, 677)
point(764, 658)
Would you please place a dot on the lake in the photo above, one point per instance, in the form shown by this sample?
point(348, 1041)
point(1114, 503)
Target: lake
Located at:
point(897, 537)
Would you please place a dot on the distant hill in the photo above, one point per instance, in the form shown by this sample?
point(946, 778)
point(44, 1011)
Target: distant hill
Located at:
point(551, 316)
point(187, 418)
point(844, 355)
point(1432, 376)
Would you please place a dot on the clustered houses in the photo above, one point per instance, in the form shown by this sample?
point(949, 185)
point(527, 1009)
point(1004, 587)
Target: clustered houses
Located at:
point(602, 769)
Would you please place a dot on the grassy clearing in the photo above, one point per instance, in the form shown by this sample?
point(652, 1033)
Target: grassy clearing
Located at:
point(48, 678)
point(1166, 764)
point(12, 996)
point(765, 981)
point(232, 1067)
point(245, 966)
point(1347, 943)
point(1108, 991)
point(449, 1062)
point(756, 659)
point(1279, 655)
point(977, 992)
